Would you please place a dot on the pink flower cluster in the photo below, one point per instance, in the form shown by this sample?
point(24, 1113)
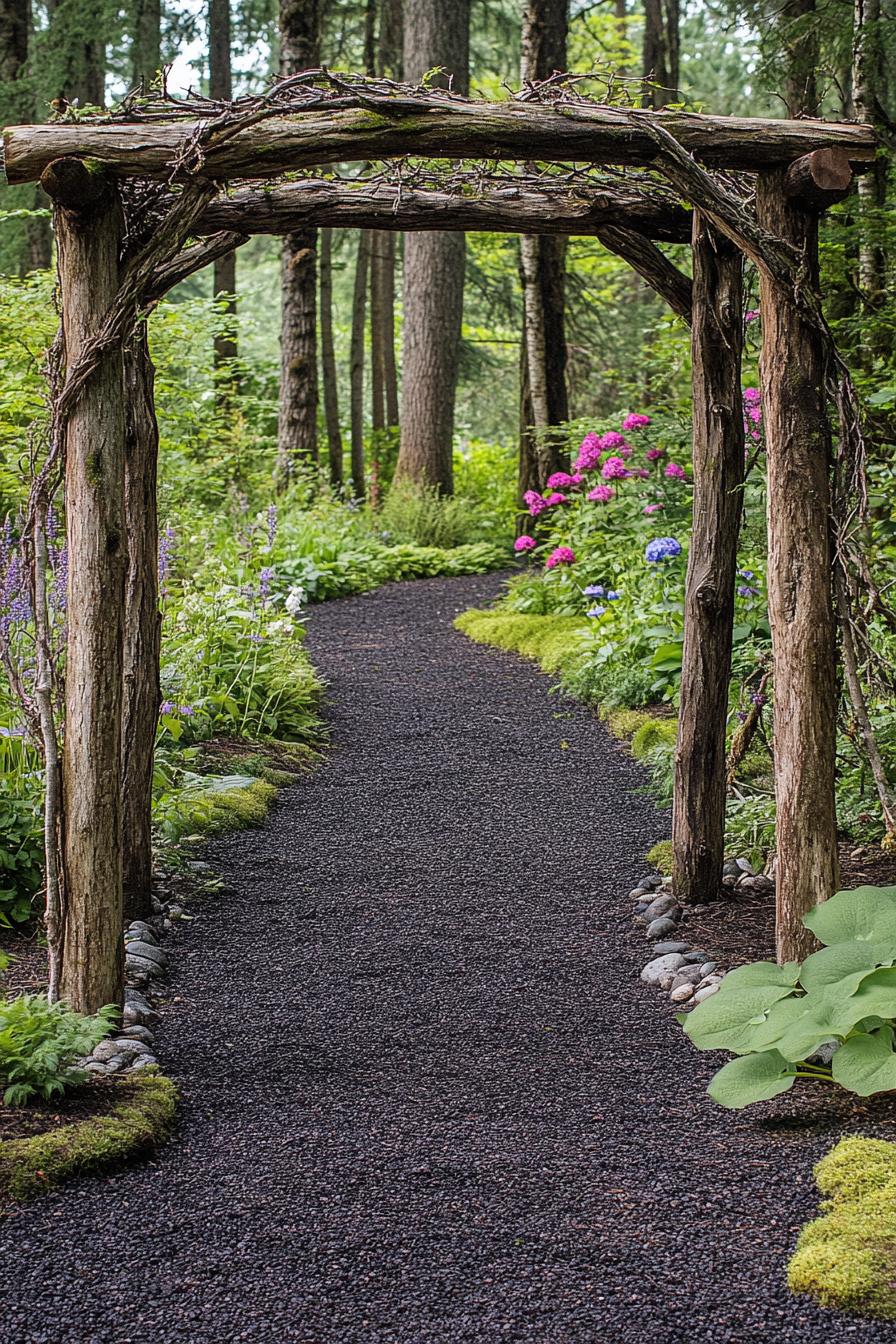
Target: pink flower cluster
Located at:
point(562, 555)
point(536, 503)
point(614, 469)
point(675, 472)
point(601, 494)
point(635, 421)
point(525, 543)
point(590, 451)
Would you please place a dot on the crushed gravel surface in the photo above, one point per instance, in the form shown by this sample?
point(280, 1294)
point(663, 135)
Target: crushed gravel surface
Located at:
point(426, 1099)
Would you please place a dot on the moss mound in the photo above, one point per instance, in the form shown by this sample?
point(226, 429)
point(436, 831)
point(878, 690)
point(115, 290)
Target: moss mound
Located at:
point(847, 1257)
point(551, 641)
point(138, 1123)
point(660, 857)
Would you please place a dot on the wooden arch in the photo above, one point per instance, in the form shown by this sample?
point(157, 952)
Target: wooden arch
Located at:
point(104, 424)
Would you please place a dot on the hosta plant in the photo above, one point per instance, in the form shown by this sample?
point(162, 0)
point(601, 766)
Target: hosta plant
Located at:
point(783, 1022)
point(40, 1044)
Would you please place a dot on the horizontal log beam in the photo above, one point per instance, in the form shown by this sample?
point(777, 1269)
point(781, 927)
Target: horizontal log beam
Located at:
point(820, 179)
point(455, 130)
point(500, 209)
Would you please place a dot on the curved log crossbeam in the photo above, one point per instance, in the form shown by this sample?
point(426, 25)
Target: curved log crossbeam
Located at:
point(505, 209)
point(570, 132)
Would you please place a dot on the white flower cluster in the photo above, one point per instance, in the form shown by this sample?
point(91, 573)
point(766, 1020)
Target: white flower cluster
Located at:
point(295, 600)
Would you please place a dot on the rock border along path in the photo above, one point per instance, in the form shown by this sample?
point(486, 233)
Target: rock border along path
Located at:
point(427, 1099)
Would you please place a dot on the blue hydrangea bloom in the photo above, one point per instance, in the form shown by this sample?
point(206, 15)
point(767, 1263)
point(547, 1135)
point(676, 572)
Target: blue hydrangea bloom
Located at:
point(594, 590)
point(662, 548)
point(613, 596)
point(597, 611)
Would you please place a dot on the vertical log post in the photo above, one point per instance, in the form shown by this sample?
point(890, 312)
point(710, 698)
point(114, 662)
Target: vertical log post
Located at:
point(797, 438)
point(698, 814)
point(142, 625)
point(88, 232)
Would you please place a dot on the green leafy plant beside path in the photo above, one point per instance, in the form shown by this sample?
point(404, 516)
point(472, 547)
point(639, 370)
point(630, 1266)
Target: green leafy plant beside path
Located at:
point(847, 1257)
point(830, 1019)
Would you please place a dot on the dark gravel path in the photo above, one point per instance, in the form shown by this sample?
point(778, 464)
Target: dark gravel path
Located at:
point(446, 1109)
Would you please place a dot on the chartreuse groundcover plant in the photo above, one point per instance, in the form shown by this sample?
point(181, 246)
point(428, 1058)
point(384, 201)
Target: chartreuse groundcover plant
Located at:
point(783, 1022)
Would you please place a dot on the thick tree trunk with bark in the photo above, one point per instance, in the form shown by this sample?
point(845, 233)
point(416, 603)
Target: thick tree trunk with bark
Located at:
point(300, 36)
point(297, 433)
point(660, 57)
point(76, 52)
point(92, 972)
point(328, 359)
point(867, 81)
point(382, 329)
point(146, 56)
point(142, 626)
point(220, 82)
point(798, 449)
point(436, 32)
point(698, 813)
point(543, 394)
point(359, 322)
point(799, 29)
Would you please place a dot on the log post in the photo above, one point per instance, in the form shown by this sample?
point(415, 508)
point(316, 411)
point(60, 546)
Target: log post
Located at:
point(88, 232)
point(142, 626)
point(797, 437)
point(698, 814)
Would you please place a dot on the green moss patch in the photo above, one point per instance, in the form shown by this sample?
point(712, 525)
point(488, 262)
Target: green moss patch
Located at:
point(551, 641)
point(660, 857)
point(847, 1257)
point(139, 1121)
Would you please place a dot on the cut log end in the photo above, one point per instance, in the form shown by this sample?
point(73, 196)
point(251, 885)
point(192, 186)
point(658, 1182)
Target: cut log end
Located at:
point(819, 179)
point(76, 184)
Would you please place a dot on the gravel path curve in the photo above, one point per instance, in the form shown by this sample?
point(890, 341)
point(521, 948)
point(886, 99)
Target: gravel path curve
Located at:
point(443, 1109)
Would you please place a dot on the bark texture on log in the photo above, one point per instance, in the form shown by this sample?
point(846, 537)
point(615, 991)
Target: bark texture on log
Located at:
point(819, 179)
point(454, 131)
point(92, 973)
point(142, 626)
point(297, 432)
point(502, 209)
point(698, 813)
point(797, 439)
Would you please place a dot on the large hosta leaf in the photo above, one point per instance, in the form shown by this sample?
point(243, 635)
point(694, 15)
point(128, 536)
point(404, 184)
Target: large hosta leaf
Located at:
point(764, 973)
point(751, 1078)
point(866, 1063)
point(867, 914)
point(728, 1020)
point(846, 964)
point(792, 1027)
point(875, 997)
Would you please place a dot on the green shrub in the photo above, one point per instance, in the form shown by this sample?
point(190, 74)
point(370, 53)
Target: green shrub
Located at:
point(421, 516)
point(624, 723)
point(208, 804)
point(845, 1258)
point(21, 851)
point(40, 1042)
point(660, 857)
point(775, 1019)
point(655, 733)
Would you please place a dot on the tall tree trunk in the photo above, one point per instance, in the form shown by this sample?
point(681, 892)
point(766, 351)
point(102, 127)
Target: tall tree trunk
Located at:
point(146, 56)
point(92, 973)
point(384, 371)
point(799, 29)
point(26, 243)
point(798, 448)
point(328, 358)
point(543, 393)
point(300, 35)
point(868, 74)
point(220, 86)
point(75, 63)
point(436, 32)
point(660, 54)
point(142, 625)
point(359, 321)
point(698, 814)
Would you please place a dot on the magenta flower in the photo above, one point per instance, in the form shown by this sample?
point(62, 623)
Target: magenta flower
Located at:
point(535, 502)
point(635, 421)
point(754, 413)
point(654, 454)
point(525, 543)
point(614, 469)
point(589, 453)
point(652, 508)
point(643, 473)
point(555, 498)
point(752, 315)
point(752, 396)
point(601, 494)
point(612, 440)
point(675, 472)
point(576, 478)
point(561, 556)
point(560, 480)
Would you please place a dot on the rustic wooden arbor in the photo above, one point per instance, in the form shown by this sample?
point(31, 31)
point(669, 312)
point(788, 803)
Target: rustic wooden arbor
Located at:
point(114, 265)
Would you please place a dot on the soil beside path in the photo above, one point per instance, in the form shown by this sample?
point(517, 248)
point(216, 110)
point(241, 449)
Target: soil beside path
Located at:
point(439, 1107)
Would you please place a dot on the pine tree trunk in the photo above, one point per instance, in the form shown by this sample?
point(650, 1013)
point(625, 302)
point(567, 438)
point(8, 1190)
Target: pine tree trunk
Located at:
point(92, 971)
point(300, 35)
point(359, 322)
point(543, 393)
point(660, 52)
point(26, 244)
point(799, 29)
point(798, 448)
point(436, 32)
point(76, 62)
point(142, 626)
point(220, 83)
point(147, 49)
point(328, 358)
point(872, 185)
point(377, 336)
point(698, 814)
